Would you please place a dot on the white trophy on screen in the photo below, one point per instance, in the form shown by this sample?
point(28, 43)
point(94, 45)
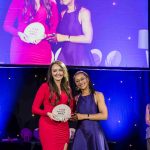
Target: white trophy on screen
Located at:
point(35, 32)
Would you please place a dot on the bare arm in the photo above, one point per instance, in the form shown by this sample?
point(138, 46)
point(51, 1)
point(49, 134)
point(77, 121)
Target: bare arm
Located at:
point(103, 112)
point(87, 36)
point(147, 115)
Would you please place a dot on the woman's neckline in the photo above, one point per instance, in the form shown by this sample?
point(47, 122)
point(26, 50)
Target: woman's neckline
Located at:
point(72, 11)
point(86, 95)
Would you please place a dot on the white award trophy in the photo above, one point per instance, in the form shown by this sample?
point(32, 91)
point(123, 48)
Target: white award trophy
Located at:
point(35, 31)
point(61, 112)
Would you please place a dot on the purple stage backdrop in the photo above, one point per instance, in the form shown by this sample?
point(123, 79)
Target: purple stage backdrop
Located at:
point(120, 33)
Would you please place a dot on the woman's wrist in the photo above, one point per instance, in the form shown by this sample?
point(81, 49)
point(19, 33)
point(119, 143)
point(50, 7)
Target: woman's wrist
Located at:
point(83, 116)
point(68, 38)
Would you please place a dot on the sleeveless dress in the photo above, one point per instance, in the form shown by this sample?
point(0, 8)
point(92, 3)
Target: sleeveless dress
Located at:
point(74, 54)
point(89, 135)
point(53, 134)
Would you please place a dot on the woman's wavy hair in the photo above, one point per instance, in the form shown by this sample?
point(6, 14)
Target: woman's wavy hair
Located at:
point(92, 90)
point(64, 83)
point(29, 6)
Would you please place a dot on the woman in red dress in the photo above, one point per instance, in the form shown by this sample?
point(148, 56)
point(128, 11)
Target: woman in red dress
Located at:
point(24, 12)
point(54, 135)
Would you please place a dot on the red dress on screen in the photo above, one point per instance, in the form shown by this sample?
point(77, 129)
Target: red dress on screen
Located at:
point(25, 53)
point(53, 134)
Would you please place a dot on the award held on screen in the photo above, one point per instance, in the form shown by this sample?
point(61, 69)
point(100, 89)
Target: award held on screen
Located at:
point(35, 32)
point(61, 112)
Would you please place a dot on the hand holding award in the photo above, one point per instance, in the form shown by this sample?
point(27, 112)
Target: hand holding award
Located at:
point(61, 112)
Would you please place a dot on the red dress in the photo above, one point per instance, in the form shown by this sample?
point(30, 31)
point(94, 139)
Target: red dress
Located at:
point(25, 53)
point(53, 134)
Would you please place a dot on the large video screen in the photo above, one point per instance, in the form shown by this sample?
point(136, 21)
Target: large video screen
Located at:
point(85, 33)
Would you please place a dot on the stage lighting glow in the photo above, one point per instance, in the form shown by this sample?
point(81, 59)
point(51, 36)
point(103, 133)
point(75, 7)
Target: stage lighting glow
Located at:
point(114, 3)
point(129, 38)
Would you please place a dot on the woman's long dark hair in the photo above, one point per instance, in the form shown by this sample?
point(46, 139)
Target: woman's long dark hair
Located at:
point(91, 88)
point(29, 6)
point(64, 84)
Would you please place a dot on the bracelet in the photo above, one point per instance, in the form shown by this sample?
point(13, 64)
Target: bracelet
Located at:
point(69, 38)
point(88, 116)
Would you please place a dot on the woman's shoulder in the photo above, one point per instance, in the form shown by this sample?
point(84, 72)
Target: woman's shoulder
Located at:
point(63, 12)
point(76, 98)
point(84, 11)
point(44, 85)
point(148, 106)
point(98, 96)
point(17, 3)
point(84, 14)
point(98, 93)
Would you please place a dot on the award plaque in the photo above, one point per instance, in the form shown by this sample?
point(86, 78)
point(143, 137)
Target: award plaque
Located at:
point(35, 31)
point(61, 112)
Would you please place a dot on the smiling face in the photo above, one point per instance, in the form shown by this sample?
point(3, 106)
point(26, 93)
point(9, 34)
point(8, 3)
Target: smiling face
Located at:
point(57, 72)
point(81, 81)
